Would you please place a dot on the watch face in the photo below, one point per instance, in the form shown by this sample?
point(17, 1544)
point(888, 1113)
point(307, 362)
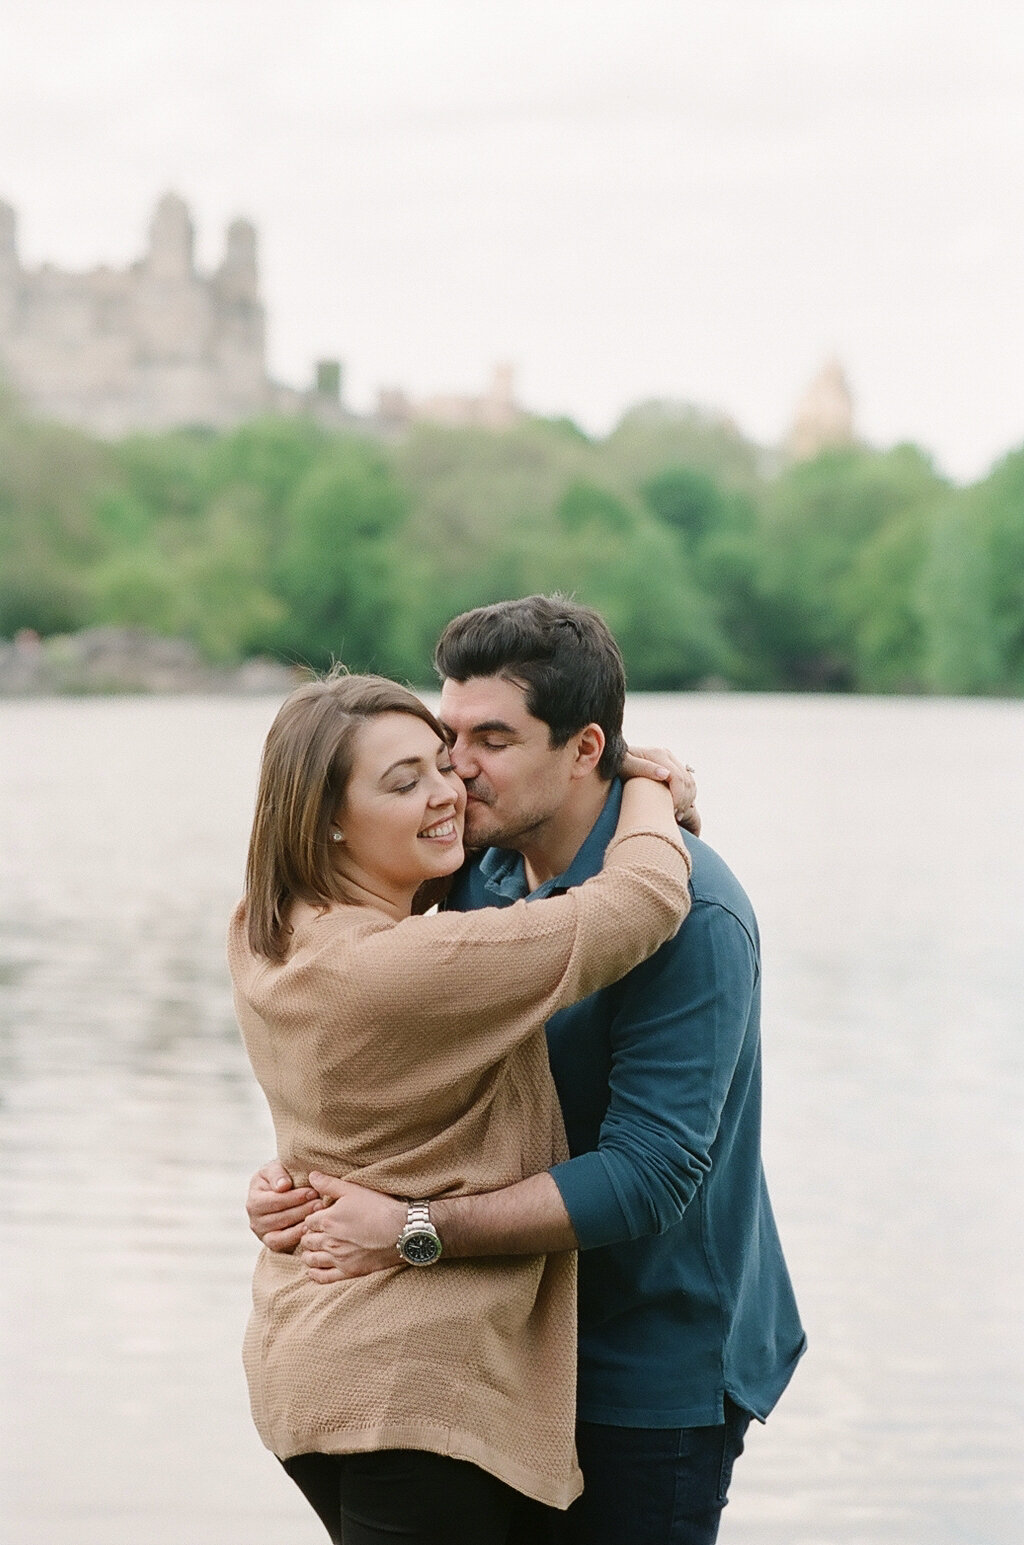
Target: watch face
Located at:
point(420, 1248)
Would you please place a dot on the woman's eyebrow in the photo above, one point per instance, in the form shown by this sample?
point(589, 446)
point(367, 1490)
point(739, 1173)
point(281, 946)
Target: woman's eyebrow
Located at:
point(405, 761)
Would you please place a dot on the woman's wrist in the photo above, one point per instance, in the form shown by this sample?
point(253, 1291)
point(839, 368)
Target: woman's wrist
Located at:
point(648, 805)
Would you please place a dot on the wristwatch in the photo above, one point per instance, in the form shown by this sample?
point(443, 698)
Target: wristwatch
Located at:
point(419, 1243)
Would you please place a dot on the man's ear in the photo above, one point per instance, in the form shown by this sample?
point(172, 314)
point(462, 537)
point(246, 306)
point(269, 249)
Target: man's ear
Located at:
point(589, 744)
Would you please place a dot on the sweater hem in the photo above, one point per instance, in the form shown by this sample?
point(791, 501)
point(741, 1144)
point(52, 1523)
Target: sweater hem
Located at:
point(451, 1442)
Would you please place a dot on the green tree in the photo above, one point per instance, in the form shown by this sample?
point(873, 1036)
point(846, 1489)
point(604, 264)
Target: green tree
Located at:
point(884, 598)
point(585, 507)
point(49, 478)
point(861, 569)
point(334, 571)
point(999, 505)
point(971, 596)
point(960, 650)
point(684, 499)
point(819, 520)
point(654, 435)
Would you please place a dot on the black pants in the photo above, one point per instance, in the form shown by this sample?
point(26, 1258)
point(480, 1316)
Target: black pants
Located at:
point(643, 1486)
point(404, 1496)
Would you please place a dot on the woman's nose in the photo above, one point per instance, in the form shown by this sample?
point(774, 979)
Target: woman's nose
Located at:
point(442, 792)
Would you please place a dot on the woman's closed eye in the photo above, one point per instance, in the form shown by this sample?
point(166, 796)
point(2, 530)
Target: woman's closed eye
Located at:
point(407, 788)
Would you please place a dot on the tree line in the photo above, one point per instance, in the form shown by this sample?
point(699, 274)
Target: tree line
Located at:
point(862, 570)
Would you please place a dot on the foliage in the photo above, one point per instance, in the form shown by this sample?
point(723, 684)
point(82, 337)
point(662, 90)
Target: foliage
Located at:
point(861, 569)
point(827, 532)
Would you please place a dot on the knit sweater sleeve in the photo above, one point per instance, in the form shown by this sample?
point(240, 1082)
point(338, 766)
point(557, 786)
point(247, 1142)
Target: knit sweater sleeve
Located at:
point(483, 981)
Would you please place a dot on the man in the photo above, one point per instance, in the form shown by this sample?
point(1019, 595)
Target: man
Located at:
point(687, 1322)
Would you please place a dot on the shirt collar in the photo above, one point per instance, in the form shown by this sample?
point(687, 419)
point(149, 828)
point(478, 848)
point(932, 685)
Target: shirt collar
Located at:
point(504, 872)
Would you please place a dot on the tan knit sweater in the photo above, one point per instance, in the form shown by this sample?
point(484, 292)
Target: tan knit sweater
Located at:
point(411, 1057)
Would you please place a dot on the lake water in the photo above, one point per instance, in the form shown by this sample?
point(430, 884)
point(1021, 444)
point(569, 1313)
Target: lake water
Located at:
point(882, 842)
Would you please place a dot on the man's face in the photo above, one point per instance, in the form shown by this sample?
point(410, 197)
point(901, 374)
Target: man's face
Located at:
point(516, 781)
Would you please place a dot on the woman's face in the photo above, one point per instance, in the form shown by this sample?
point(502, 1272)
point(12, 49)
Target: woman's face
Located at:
point(402, 817)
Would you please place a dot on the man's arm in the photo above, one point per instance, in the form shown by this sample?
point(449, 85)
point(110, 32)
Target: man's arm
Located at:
point(528, 1218)
point(358, 1232)
point(679, 1033)
point(360, 1228)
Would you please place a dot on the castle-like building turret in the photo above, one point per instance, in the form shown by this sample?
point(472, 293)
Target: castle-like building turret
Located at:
point(152, 346)
point(824, 415)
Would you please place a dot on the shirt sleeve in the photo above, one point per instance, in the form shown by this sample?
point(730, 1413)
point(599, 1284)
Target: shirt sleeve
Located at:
point(675, 1043)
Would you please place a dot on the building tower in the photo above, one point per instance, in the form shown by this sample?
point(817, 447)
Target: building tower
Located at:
point(171, 253)
point(824, 415)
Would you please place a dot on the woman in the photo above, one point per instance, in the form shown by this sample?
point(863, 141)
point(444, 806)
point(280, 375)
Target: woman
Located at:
point(408, 1052)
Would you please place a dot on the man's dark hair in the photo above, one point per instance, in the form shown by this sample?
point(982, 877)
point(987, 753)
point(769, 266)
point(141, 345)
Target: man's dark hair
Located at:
point(561, 652)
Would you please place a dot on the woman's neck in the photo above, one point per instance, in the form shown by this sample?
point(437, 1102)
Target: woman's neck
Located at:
point(361, 891)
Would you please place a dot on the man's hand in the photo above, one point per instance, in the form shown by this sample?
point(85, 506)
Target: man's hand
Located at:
point(277, 1209)
point(657, 763)
point(355, 1234)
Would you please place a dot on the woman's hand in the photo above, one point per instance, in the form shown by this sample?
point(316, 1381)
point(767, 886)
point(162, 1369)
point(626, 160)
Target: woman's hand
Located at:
point(277, 1209)
point(661, 765)
point(355, 1234)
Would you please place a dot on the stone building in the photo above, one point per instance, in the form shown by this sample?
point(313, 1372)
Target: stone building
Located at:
point(151, 346)
point(495, 408)
point(824, 415)
point(159, 344)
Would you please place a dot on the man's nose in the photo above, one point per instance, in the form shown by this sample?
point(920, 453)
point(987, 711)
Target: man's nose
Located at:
point(463, 761)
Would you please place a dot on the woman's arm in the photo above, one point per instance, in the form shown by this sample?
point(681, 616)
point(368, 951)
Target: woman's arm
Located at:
point(485, 980)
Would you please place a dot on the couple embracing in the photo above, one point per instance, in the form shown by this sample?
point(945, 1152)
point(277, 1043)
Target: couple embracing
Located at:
point(557, 1070)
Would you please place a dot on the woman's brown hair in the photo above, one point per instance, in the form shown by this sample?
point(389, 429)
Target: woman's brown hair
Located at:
point(304, 774)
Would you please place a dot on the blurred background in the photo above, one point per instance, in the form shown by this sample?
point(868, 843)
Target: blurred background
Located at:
point(322, 322)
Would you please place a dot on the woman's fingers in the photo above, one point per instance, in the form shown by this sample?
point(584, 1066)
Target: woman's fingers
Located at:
point(284, 1240)
point(288, 1216)
point(642, 764)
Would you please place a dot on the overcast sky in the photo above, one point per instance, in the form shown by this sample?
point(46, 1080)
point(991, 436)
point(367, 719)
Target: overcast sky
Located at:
point(625, 198)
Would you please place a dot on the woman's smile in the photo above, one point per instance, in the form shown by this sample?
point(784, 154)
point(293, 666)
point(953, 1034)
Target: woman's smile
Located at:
point(442, 831)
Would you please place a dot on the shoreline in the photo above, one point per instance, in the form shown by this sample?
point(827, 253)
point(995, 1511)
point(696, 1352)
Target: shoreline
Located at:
point(110, 661)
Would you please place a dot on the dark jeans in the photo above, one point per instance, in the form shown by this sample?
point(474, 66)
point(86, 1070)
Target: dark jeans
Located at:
point(643, 1486)
point(404, 1497)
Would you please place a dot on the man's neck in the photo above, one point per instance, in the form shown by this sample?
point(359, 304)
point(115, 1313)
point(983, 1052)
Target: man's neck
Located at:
point(552, 846)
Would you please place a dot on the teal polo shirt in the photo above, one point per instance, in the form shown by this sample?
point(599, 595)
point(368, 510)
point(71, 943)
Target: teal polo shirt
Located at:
point(684, 1294)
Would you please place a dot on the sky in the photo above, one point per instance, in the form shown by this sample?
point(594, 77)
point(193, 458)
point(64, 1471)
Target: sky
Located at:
point(624, 198)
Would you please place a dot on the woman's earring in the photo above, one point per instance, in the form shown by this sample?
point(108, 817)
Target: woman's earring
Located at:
point(337, 837)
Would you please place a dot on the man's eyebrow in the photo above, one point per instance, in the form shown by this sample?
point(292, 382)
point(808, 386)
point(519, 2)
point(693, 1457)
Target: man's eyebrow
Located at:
point(494, 726)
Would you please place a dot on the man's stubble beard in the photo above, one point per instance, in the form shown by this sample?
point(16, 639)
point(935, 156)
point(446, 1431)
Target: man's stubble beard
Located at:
point(510, 834)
